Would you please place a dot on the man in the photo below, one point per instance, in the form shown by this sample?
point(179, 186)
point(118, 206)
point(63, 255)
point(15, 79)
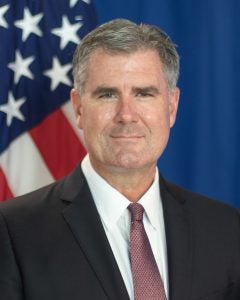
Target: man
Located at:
point(79, 238)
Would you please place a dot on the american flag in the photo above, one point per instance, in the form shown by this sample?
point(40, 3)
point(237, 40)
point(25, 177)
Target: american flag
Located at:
point(39, 141)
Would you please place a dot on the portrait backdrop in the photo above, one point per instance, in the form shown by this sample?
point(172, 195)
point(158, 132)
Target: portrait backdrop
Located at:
point(203, 154)
point(39, 142)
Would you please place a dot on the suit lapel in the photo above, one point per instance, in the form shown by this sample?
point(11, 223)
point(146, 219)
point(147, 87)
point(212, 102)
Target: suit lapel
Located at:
point(84, 221)
point(179, 243)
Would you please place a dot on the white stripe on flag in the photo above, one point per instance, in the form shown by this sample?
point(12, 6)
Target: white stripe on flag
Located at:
point(25, 169)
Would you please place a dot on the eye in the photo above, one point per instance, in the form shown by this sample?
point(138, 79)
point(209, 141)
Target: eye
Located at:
point(144, 94)
point(107, 96)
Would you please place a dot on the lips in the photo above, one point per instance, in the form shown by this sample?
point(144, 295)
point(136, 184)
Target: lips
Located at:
point(127, 132)
point(127, 137)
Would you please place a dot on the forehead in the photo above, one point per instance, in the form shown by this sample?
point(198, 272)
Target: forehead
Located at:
point(111, 66)
point(142, 54)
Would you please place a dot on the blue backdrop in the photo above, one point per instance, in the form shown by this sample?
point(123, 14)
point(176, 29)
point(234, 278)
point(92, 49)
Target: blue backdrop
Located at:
point(204, 148)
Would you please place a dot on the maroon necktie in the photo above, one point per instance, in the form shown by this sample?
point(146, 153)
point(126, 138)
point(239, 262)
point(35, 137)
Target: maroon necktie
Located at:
point(147, 280)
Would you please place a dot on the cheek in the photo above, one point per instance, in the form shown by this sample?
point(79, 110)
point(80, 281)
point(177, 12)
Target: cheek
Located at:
point(156, 117)
point(95, 120)
point(105, 116)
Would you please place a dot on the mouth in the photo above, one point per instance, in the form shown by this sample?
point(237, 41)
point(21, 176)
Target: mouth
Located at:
point(127, 137)
point(127, 134)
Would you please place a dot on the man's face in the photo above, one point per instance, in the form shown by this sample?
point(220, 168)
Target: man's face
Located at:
point(125, 111)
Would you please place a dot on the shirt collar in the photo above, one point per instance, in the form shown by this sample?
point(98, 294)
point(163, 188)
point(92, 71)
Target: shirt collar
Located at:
point(151, 201)
point(111, 204)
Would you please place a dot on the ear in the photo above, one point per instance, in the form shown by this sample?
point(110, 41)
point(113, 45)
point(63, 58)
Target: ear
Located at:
point(173, 105)
point(77, 106)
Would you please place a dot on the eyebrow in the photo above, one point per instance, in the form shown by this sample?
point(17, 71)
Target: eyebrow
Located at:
point(104, 89)
point(147, 89)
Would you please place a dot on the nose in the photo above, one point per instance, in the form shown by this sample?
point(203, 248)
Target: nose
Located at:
point(126, 111)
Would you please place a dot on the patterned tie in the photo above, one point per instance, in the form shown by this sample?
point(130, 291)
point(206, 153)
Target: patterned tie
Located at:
point(147, 280)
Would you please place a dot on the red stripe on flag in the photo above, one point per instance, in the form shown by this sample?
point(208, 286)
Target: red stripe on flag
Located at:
point(58, 144)
point(5, 192)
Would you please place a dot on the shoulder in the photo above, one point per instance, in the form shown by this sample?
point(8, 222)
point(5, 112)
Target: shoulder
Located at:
point(36, 201)
point(48, 198)
point(194, 199)
point(202, 209)
point(213, 227)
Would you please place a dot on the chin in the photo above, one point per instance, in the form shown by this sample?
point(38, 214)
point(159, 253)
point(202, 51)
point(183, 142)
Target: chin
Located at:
point(130, 161)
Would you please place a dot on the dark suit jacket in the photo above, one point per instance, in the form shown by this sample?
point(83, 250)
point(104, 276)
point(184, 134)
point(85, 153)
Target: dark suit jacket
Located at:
point(53, 246)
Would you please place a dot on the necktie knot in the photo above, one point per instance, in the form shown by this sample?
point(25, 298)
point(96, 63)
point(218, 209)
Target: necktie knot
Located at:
point(136, 211)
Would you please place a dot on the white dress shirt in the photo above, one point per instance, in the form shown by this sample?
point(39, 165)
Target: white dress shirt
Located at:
point(112, 208)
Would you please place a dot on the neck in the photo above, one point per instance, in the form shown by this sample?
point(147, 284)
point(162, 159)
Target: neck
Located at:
point(132, 183)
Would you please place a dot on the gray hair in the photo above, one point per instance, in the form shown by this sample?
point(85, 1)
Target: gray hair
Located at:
point(123, 36)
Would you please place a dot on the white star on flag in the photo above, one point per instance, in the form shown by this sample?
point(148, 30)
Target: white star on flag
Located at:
point(21, 67)
point(12, 109)
point(29, 24)
point(58, 74)
point(3, 10)
point(68, 32)
point(73, 3)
